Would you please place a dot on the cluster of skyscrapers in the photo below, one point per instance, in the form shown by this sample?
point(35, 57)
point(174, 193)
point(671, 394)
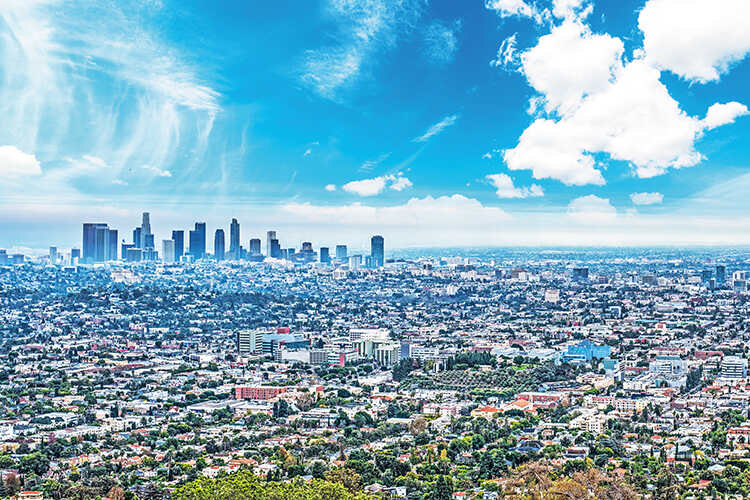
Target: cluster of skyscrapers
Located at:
point(100, 244)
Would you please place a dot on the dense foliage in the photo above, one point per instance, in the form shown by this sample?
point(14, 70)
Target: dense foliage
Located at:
point(244, 485)
point(504, 380)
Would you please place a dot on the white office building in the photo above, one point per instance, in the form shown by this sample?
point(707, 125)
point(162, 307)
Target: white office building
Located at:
point(167, 250)
point(733, 367)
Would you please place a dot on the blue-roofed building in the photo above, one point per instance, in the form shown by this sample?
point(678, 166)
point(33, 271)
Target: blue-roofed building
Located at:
point(586, 351)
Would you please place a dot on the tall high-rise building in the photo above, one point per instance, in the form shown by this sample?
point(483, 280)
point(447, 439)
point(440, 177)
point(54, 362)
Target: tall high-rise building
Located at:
point(341, 252)
point(270, 236)
point(179, 244)
point(102, 244)
point(721, 273)
point(219, 244)
point(75, 254)
point(137, 239)
point(254, 247)
point(96, 244)
point(112, 251)
point(147, 239)
point(377, 251)
point(194, 243)
point(53, 255)
point(124, 247)
point(167, 250)
point(306, 253)
point(198, 241)
point(275, 249)
point(249, 341)
point(324, 255)
point(89, 240)
point(234, 240)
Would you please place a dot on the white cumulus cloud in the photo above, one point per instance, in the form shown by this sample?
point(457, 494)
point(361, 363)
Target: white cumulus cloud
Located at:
point(506, 189)
point(570, 8)
point(330, 187)
point(366, 187)
point(695, 39)
point(507, 8)
point(570, 63)
point(16, 163)
point(400, 183)
point(594, 102)
point(429, 212)
point(723, 114)
point(592, 209)
point(376, 185)
point(593, 99)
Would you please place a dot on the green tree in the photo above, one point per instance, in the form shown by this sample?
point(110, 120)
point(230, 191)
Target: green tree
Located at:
point(442, 489)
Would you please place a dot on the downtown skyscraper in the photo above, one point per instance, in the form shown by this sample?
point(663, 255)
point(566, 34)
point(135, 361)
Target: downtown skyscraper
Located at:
point(273, 248)
point(254, 247)
point(270, 238)
point(341, 252)
point(219, 244)
point(235, 251)
point(197, 241)
point(99, 243)
point(178, 237)
point(147, 238)
point(377, 251)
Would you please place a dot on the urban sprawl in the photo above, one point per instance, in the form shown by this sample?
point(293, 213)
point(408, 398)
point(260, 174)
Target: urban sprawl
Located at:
point(135, 372)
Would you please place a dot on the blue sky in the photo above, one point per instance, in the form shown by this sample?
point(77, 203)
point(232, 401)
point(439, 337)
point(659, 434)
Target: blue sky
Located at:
point(496, 122)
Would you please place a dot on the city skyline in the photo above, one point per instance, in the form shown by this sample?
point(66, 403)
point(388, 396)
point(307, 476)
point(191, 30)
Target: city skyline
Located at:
point(100, 244)
point(471, 123)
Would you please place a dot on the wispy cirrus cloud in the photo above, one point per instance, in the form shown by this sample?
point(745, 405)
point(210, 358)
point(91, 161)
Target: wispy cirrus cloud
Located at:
point(646, 198)
point(370, 164)
point(367, 28)
point(437, 128)
point(441, 41)
point(160, 172)
point(102, 63)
